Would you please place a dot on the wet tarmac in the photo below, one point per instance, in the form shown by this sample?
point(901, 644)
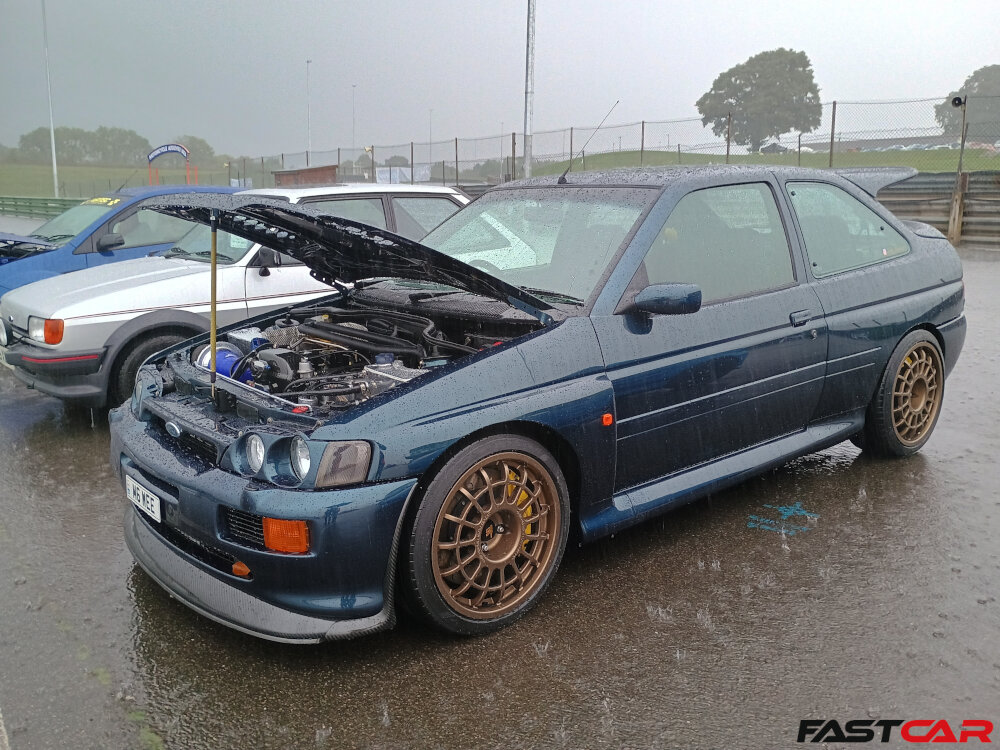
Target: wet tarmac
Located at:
point(836, 587)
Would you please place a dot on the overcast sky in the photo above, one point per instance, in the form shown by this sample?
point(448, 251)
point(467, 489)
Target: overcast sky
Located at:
point(234, 71)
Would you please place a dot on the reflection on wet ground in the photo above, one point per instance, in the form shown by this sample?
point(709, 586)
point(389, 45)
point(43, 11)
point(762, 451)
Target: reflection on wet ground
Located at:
point(837, 586)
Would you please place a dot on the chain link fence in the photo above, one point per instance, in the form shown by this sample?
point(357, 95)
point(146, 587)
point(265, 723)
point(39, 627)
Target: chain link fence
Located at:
point(885, 133)
point(926, 134)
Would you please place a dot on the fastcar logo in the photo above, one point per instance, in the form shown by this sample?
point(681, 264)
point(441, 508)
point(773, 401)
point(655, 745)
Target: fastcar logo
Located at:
point(880, 730)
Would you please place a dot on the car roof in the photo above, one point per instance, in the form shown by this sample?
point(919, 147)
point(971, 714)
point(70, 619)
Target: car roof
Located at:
point(664, 176)
point(148, 190)
point(352, 188)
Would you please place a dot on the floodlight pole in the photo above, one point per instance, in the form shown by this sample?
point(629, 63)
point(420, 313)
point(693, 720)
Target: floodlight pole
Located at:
point(48, 86)
point(529, 87)
point(309, 137)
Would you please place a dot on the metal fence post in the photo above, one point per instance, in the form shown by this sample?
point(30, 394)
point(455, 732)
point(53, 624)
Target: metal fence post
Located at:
point(456, 161)
point(513, 155)
point(571, 149)
point(800, 149)
point(729, 133)
point(957, 208)
point(642, 143)
point(374, 178)
point(442, 173)
point(678, 153)
point(833, 129)
point(412, 165)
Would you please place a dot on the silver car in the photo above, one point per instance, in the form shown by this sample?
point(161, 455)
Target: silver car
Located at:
point(82, 336)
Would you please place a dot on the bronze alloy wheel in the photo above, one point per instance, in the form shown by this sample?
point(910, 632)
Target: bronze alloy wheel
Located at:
point(916, 393)
point(496, 536)
point(901, 415)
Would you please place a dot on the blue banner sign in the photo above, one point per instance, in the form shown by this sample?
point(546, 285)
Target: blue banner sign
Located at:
point(169, 148)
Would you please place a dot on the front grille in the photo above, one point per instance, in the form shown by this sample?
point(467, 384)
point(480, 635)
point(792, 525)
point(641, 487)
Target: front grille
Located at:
point(200, 447)
point(190, 444)
point(243, 527)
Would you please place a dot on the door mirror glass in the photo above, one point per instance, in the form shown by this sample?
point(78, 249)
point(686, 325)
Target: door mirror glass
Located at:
point(669, 299)
point(266, 259)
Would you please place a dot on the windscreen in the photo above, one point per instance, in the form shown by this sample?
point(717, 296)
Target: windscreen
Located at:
point(556, 240)
point(197, 245)
point(70, 223)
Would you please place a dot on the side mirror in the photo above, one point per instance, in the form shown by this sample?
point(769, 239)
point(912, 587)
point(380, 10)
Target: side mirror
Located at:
point(109, 242)
point(669, 299)
point(266, 259)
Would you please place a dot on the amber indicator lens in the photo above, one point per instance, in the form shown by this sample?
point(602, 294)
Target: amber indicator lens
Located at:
point(290, 537)
point(240, 569)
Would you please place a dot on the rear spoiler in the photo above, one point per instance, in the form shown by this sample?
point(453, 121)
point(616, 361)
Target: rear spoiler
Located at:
point(873, 179)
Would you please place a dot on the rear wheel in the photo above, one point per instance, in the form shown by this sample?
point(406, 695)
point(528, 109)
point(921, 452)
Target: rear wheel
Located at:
point(488, 535)
point(122, 378)
point(905, 409)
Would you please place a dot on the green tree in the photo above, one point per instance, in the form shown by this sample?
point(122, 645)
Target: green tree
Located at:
point(770, 94)
point(982, 111)
point(119, 146)
point(397, 161)
point(202, 154)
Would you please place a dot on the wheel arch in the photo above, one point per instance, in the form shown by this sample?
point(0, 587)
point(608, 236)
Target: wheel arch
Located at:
point(560, 448)
point(160, 322)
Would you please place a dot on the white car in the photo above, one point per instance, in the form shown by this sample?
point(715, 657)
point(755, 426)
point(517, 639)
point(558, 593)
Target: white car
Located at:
point(82, 336)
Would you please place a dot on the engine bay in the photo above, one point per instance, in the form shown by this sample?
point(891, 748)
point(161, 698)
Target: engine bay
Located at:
point(332, 358)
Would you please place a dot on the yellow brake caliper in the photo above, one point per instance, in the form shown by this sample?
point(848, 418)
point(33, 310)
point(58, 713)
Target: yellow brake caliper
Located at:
point(521, 502)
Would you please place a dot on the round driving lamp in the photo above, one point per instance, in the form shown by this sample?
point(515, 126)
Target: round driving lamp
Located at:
point(255, 453)
point(300, 457)
point(3, 334)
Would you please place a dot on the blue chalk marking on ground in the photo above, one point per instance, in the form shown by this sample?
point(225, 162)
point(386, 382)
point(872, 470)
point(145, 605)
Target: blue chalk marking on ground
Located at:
point(791, 511)
point(781, 525)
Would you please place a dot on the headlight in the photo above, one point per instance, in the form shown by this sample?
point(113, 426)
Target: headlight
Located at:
point(45, 331)
point(255, 453)
point(344, 463)
point(300, 457)
point(3, 334)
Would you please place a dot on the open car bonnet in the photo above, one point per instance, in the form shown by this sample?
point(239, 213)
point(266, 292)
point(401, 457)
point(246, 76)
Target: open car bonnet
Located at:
point(338, 249)
point(16, 244)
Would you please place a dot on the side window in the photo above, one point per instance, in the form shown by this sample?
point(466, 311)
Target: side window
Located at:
point(366, 210)
point(146, 227)
point(415, 216)
point(729, 240)
point(840, 231)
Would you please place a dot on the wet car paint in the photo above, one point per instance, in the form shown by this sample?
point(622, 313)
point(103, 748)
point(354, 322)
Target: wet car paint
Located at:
point(699, 402)
point(667, 635)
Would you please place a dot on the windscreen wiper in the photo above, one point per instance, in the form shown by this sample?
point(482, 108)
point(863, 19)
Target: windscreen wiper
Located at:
point(554, 296)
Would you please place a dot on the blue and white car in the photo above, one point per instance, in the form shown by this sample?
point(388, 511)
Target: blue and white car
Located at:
point(109, 228)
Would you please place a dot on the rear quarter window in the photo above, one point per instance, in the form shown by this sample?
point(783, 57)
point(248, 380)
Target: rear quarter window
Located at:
point(840, 232)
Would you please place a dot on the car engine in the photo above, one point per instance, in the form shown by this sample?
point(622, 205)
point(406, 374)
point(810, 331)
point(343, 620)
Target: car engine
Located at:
point(336, 357)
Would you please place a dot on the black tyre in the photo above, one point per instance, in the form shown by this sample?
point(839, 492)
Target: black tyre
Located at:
point(122, 378)
point(488, 535)
point(906, 406)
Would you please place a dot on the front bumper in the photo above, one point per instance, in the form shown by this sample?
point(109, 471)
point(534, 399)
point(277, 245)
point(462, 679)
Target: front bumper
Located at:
point(77, 377)
point(340, 589)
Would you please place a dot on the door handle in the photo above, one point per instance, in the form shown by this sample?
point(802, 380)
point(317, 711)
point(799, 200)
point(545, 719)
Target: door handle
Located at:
point(800, 317)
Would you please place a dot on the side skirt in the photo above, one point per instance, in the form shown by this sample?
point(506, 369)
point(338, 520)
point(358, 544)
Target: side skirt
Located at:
point(639, 503)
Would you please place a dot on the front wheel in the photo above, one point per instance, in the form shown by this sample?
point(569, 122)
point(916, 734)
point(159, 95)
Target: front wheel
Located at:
point(122, 379)
point(488, 535)
point(906, 406)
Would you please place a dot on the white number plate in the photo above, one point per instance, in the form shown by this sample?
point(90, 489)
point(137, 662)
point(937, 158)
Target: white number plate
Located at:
point(142, 498)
